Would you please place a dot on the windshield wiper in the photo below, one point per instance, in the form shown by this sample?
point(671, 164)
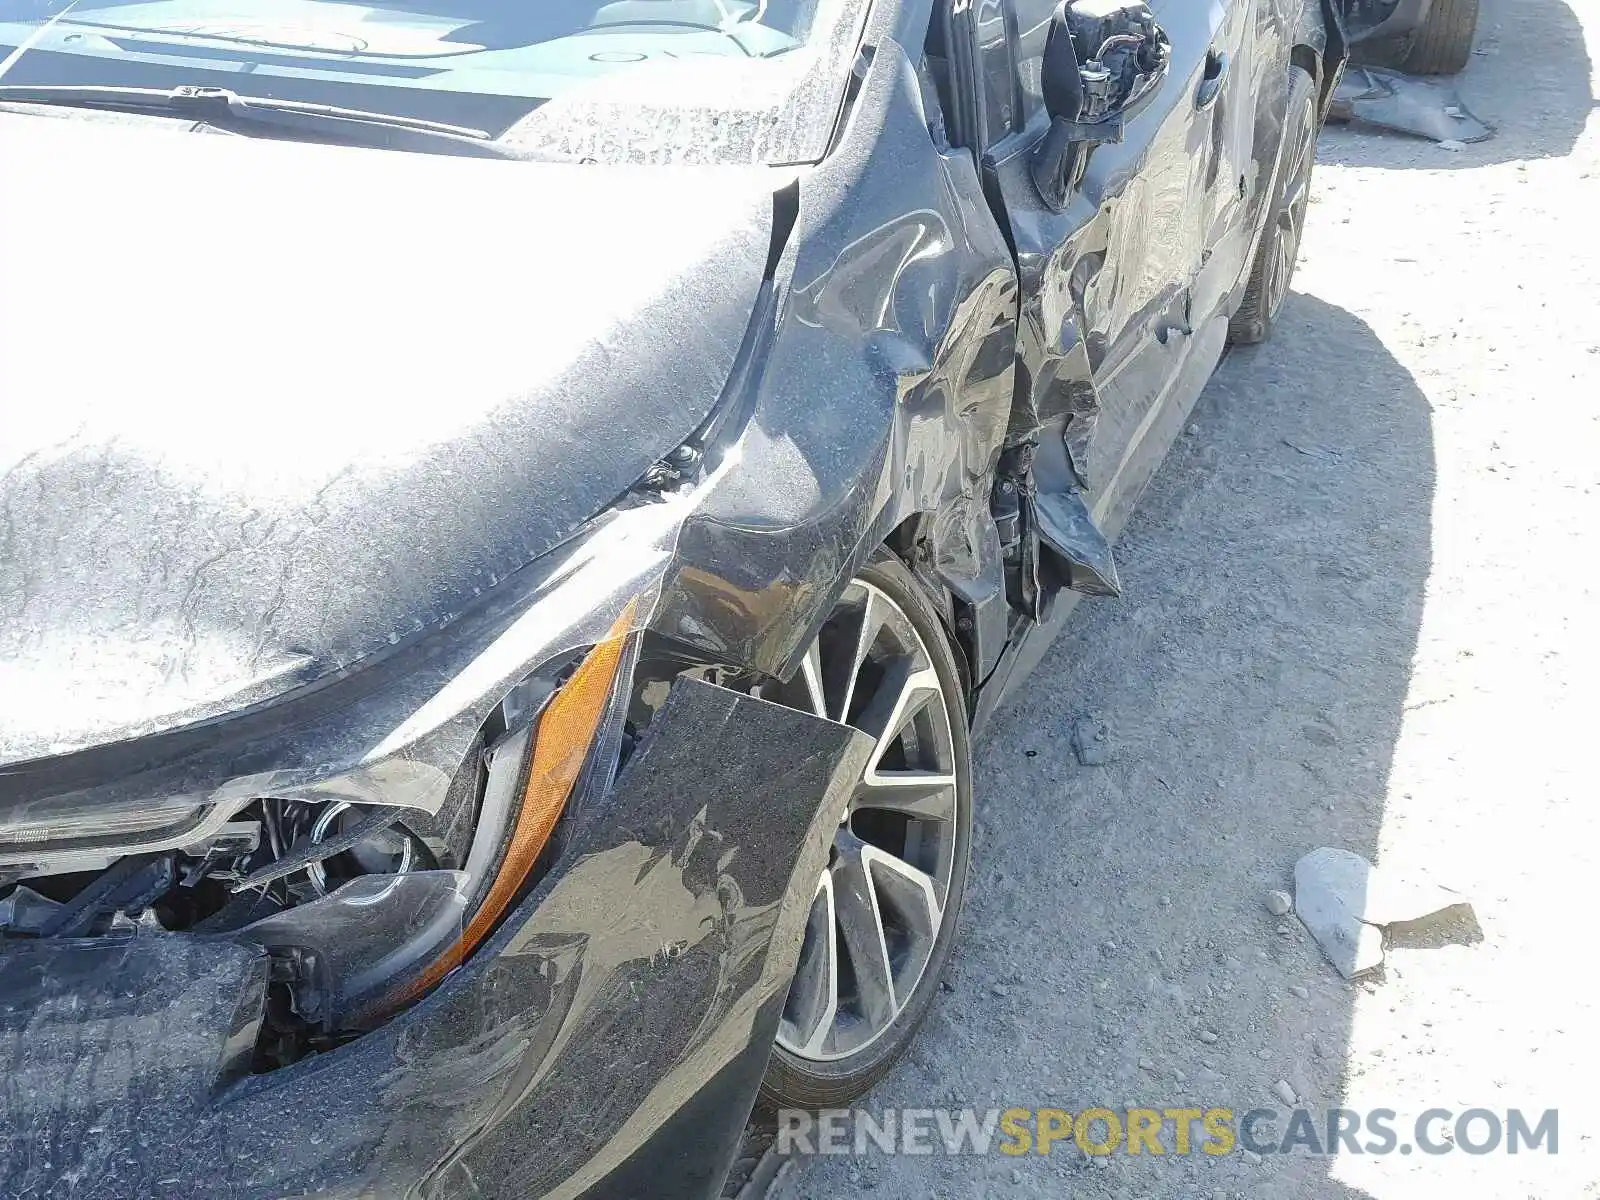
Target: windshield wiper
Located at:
point(731, 32)
point(222, 108)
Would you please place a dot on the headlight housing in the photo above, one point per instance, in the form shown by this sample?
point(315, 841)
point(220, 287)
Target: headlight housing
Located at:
point(364, 905)
point(580, 726)
point(381, 941)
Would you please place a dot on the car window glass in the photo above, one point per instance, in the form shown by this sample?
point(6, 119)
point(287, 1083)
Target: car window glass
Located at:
point(1032, 25)
point(999, 82)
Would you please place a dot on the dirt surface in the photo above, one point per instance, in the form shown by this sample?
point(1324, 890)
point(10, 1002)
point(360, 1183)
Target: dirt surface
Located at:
point(1361, 609)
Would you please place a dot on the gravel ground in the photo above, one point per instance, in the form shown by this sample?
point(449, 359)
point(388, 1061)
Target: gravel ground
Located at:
point(1360, 611)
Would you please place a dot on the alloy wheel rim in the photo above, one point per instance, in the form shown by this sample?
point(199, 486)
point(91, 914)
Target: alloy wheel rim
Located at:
point(880, 902)
point(1290, 222)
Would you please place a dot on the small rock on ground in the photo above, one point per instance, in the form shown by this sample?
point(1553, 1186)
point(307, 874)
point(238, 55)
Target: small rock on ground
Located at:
point(1091, 741)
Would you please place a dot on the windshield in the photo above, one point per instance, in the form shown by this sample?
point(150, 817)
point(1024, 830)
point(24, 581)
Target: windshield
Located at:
point(696, 81)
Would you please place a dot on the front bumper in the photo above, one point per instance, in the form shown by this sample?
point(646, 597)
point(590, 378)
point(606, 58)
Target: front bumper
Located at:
point(607, 1042)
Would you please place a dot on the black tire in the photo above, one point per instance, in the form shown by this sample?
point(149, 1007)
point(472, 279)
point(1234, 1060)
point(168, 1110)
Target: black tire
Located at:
point(1443, 45)
point(1279, 245)
point(793, 1081)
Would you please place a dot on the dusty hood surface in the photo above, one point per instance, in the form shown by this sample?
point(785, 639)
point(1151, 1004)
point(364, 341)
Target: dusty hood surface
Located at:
point(267, 407)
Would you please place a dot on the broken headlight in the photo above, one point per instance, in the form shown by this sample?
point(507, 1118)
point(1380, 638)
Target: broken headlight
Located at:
point(363, 905)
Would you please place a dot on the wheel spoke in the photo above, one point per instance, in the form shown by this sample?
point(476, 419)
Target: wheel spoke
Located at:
point(1291, 219)
point(1283, 250)
point(1295, 198)
point(871, 622)
point(811, 674)
point(861, 933)
point(925, 894)
point(1300, 181)
point(925, 795)
point(813, 1002)
point(907, 688)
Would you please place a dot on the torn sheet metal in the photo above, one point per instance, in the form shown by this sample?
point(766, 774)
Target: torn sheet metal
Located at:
point(1124, 286)
point(1084, 554)
point(915, 314)
point(1429, 108)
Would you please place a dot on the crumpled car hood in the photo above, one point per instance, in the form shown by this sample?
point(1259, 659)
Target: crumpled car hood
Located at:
point(267, 408)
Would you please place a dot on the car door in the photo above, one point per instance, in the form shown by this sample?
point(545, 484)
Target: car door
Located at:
point(1107, 328)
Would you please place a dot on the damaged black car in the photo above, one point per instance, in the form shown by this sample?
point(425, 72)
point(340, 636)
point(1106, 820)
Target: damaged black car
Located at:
point(510, 517)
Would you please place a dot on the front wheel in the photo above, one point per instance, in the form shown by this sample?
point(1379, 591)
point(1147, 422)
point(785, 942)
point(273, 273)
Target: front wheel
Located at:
point(1443, 45)
point(1279, 247)
point(884, 911)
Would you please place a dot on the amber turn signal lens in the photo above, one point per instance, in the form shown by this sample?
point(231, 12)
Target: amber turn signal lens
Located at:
point(566, 731)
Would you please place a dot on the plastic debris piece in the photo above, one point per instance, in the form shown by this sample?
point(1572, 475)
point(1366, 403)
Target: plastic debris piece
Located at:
point(1344, 901)
point(1427, 108)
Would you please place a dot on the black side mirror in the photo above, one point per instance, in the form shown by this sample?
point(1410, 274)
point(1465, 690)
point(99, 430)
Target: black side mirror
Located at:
point(1061, 79)
point(1102, 64)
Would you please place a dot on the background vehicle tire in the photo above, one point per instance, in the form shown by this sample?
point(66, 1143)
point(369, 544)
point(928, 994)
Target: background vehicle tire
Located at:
point(1279, 246)
point(885, 910)
point(1443, 45)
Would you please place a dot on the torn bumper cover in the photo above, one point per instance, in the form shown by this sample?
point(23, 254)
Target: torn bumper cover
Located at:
point(607, 1041)
point(1406, 104)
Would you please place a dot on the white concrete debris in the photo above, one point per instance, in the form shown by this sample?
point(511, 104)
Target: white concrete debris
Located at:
point(1344, 901)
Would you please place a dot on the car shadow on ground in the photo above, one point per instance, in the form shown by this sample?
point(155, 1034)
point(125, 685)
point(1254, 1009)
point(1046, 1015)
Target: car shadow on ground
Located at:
point(1530, 79)
point(1116, 950)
